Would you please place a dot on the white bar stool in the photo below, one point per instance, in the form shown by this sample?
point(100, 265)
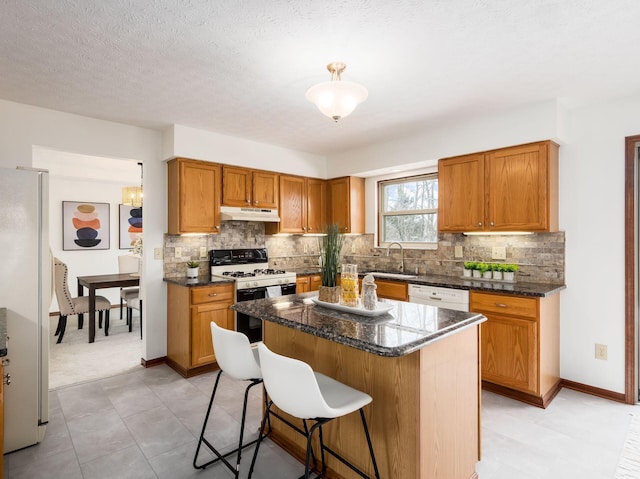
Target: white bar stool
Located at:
point(237, 359)
point(299, 391)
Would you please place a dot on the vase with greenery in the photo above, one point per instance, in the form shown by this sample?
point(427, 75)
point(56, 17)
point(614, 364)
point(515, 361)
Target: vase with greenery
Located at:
point(485, 270)
point(496, 270)
point(330, 246)
point(469, 266)
point(509, 271)
point(193, 268)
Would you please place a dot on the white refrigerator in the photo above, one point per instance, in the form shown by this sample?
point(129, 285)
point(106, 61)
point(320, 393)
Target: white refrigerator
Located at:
point(25, 270)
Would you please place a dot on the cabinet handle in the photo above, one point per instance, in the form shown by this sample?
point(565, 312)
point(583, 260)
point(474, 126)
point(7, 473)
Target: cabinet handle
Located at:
point(217, 227)
point(211, 295)
point(479, 223)
point(255, 202)
point(309, 229)
point(501, 305)
point(6, 379)
point(249, 201)
point(491, 224)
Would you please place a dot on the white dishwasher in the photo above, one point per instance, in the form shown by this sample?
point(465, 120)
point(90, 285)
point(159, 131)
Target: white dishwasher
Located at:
point(456, 299)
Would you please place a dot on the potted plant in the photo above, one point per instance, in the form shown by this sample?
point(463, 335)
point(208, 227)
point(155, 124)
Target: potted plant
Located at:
point(193, 268)
point(509, 271)
point(330, 247)
point(484, 270)
point(469, 266)
point(476, 272)
point(496, 270)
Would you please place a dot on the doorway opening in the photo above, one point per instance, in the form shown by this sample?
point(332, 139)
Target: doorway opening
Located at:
point(100, 180)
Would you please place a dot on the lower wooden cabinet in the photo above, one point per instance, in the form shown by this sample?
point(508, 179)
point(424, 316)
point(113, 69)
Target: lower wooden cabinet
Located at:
point(390, 289)
point(189, 314)
point(304, 284)
point(520, 345)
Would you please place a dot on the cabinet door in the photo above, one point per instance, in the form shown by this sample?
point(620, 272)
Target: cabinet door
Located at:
point(345, 198)
point(201, 317)
point(509, 352)
point(392, 290)
point(461, 193)
point(194, 197)
point(315, 282)
point(517, 186)
point(302, 284)
point(293, 215)
point(265, 189)
point(236, 186)
point(316, 205)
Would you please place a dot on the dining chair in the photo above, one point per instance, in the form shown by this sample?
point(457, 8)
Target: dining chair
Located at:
point(128, 264)
point(69, 305)
point(133, 301)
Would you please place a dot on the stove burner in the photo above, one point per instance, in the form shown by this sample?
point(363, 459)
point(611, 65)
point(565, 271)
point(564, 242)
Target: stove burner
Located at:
point(269, 271)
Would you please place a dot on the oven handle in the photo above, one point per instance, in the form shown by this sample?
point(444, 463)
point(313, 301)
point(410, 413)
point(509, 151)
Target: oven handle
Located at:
point(252, 290)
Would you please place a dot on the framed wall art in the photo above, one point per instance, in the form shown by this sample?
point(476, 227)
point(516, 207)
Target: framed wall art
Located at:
point(130, 222)
point(85, 225)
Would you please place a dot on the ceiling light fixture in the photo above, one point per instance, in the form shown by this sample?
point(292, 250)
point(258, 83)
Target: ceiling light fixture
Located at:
point(337, 98)
point(132, 195)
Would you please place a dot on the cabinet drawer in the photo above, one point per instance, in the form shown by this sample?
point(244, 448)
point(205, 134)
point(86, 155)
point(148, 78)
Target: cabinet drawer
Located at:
point(392, 290)
point(503, 304)
point(209, 294)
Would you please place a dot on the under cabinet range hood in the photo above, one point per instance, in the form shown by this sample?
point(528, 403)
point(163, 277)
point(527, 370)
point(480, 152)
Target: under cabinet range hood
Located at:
point(230, 213)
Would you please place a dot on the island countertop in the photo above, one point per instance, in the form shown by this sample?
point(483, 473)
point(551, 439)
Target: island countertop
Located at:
point(406, 328)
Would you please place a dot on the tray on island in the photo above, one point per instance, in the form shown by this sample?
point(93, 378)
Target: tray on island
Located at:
point(381, 308)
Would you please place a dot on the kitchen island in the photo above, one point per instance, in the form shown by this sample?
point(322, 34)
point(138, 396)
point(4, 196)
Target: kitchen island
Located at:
point(419, 363)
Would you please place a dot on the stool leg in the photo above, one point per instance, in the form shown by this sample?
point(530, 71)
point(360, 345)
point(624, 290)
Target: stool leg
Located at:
point(121, 303)
point(100, 319)
point(366, 433)
point(106, 322)
point(261, 435)
point(206, 420)
point(309, 452)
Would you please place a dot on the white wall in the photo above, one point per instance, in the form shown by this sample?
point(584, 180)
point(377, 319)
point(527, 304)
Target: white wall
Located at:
point(214, 147)
point(23, 127)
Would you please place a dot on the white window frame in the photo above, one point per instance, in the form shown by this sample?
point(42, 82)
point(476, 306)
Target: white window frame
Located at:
point(382, 213)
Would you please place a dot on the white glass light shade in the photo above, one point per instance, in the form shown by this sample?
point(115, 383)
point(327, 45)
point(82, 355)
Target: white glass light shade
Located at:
point(337, 99)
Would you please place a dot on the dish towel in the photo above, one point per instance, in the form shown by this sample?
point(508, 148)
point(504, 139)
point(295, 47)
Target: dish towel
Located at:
point(273, 291)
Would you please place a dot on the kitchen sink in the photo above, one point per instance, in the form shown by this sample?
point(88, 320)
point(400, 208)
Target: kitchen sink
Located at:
point(379, 274)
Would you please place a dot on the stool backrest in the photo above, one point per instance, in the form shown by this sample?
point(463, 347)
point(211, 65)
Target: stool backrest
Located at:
point(128, 263)
point(292, 385)
point(234, 354)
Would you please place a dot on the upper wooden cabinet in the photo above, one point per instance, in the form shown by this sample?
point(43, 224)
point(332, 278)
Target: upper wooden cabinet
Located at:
point(510, 189)
point(249, 188)
point(302, 206)
point(345, 204)
point(193, 197)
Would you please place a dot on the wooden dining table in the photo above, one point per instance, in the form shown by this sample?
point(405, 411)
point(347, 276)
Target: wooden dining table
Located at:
point(101, 281)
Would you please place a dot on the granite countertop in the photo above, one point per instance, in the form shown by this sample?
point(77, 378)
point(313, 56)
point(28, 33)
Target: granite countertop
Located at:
point(3, 332)
point(520, 288)
point(202, 280)
point(405, 329)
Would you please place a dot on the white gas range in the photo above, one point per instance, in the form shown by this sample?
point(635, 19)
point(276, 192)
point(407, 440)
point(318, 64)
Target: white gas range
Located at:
point(249, 268)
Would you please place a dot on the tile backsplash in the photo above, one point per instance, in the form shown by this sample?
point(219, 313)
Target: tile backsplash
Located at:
point(540, 255)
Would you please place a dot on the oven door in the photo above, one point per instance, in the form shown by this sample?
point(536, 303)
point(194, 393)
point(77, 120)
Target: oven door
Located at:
point(249, 326)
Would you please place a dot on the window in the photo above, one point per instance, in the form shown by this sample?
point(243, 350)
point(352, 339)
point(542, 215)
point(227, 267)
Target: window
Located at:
point(409, 210)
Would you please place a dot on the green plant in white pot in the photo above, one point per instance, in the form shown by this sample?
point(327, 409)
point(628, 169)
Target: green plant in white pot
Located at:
point(485, 270)
point(193, 268)
point(469, 266)
point(509, 271)
point(330, 246)
point(496, 270)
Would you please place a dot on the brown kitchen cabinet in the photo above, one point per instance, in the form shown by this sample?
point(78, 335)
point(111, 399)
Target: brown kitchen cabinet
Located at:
point(520, 345)
point(509, 189)
point(304, 284)
point(302, 206)
point(397, 290)
point(189, 314)
point(249, 188)
point(345, 204)
point(193, 196)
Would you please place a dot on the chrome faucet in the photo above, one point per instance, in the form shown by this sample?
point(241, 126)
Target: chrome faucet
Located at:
point(401, 254)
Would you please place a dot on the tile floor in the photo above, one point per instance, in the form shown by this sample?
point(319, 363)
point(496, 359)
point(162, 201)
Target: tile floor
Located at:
point(145, 424)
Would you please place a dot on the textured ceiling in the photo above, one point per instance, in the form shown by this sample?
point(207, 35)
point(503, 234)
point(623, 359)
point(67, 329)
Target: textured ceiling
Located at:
point(242, 67)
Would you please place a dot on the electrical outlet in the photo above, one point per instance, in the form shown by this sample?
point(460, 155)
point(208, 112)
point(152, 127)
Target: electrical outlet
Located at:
point(601, 351)
point(458, 251)
point(177, 252)
point(203, 251)
point(499, 252)
point(353, 248)
point(305, 248)
point(157, 253)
